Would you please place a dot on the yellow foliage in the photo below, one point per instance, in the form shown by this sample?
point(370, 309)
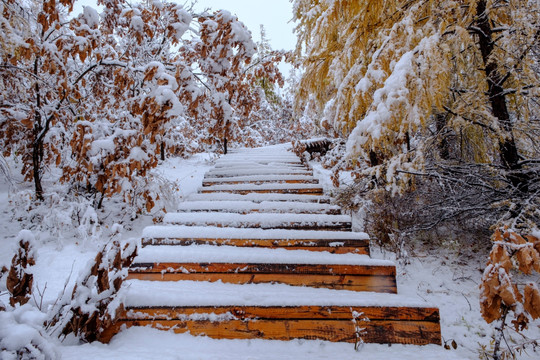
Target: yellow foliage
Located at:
point(378, 71)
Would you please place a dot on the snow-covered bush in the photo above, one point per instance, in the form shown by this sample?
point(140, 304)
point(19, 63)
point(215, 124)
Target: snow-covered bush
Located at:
point(20, 279)
point(60, 214)
point(93, 304)
point(22, 335)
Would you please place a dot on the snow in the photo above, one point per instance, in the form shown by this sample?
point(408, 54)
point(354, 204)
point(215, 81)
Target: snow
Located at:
point(91, 16)
point(139, 343)
point(265, 178)
point(257, 170)
point(257, 187)
point(244, 206)
point(231, 254)
point(258, 197)
point(264, 220)
point(210, 232)
point(199, 293)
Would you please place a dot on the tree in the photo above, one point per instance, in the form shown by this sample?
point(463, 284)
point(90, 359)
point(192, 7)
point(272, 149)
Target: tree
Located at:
point(127, 105)
point(229, 69)
point(425, 89)
point(36, 82)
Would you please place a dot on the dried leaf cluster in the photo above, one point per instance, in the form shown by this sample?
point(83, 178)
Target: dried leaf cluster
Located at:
point(499, 291)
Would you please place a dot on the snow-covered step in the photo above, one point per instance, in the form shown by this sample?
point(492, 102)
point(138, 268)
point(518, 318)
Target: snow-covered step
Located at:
point(260, 163)
point(260, 220)
point(258, 198)
point(312, 189)
point(244, 207)
point(276, 312)
point(279, 158)
point(338, 242)
point(259, 179)
point(258, 170)
point(256, 265)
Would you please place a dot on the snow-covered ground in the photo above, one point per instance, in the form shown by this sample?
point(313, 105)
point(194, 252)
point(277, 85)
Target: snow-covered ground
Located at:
point(439, 277)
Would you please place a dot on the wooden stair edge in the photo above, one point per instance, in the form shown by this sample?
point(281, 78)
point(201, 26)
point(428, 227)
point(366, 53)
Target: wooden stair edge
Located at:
point(335, 246)
point(266, 268)
point(331, 323)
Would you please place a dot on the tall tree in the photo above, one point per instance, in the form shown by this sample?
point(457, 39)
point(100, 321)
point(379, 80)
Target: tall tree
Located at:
point(414, 85)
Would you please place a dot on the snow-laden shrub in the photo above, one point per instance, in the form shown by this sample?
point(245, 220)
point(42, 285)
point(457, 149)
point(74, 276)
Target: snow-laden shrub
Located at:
point(57, 215)
point(22, 335)
point(20, 279)
point(163, 192)
point(92, 307)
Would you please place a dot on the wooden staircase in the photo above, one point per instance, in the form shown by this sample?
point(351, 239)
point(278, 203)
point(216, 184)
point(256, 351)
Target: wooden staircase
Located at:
point(260, 252)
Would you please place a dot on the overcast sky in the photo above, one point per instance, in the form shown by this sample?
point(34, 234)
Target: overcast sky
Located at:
point(275, 15)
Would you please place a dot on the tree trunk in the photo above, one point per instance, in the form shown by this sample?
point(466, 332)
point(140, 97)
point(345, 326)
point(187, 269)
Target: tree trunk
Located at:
point(444, 145)
point(225, 146)
point(162, 148)
point(507, 145)
point(37, 143)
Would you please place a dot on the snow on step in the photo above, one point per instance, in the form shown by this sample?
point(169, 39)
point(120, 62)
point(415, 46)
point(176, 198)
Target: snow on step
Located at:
point(189, 293)
point(254, 164)
point(210, 232)
point(264, 206)
point(262, 220)
point(255, 197)
point(258, 170)
point(261, 178)
point(286, 157)
point(270, 187)
point(231, 254)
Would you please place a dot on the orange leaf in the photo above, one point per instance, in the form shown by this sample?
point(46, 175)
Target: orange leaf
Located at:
point(532, 300)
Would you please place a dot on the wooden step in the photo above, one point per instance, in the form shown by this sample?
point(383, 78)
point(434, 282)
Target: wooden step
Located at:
point(246, 207)
point(262, 221)
point(259, 179)
point(329, 315)
point(263, 171)
point(331, 246)
point(402, 325)
point(258, 198)
point(374, 278)
point(331, 241)
point(308, 189)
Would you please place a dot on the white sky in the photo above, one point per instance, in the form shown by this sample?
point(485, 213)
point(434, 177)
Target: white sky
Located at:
point(273, 14)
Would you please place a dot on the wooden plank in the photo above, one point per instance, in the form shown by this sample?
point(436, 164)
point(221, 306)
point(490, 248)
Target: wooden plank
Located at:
point(382, 332)
point(307, 191)
point(259, 182)
point(269, 210)
point(338, 277)
point(340, 247)
point(334, 226)
point(267, 268)
point(373, 283)
point(398, 313)
point(323, 325)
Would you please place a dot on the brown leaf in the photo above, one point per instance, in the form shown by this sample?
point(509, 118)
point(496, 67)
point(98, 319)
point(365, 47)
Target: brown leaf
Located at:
point(531, 301)
point(500, 256)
